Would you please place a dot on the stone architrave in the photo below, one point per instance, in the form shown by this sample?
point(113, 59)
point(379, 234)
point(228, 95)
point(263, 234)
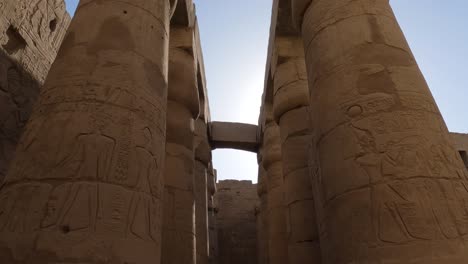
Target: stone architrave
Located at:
point(202, 164)
point(290, 110)
point(388, 184)
point(277, 232)
point(85, 185)
point(29, 40)
point(178, 229)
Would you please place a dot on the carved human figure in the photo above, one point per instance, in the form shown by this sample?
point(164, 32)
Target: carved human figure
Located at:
point(76, 196)
point(384, 172)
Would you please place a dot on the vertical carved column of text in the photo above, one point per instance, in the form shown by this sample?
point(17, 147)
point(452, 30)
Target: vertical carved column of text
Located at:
point(179, 244)
point(202, 190)
point(277, 236)
point(290, 108)
point(386, 175)
point(85, 183)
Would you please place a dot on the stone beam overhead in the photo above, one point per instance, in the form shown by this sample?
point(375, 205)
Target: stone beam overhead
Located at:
point(234, 135)
point(460, 140)
point(461, 144)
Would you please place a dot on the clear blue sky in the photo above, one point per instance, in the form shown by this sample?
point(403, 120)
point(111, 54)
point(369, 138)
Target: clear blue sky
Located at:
point(235, 37)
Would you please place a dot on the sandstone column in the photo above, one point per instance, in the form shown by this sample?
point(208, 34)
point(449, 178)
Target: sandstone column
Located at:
point(262, 216)
point(212, 223)
point(290, 109)
point(178, 235)
point(389, 187)
point(85, 186)
point(277, 236)
point(30, 38)
point(202, 162)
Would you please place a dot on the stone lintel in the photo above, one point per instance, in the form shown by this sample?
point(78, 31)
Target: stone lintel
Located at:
point(234, 135)
point(461, 145)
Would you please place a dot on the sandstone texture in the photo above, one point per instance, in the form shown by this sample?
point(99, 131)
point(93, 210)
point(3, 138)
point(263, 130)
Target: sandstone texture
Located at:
point(185, 237)
point(85, 185)
point(113, 164)
point(236, 222)
point(461, 144)
point(271, 161)
point(291, 111)
point(262, 215)
point(234, 136)
point(204, 189)
point(30, 35)
point(213, 241)
point(385, 174)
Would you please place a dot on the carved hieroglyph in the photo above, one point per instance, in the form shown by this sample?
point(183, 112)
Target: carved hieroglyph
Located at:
point(389, 186)
point(277, 232)
point(30, 35)
point(179, 195)
point(290, 108)
point(85, 185)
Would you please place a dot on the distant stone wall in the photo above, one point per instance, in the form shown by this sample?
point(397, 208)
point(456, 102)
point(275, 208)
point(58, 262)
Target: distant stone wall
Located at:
point(236, 203)
point(31, 32)
point(461, 144)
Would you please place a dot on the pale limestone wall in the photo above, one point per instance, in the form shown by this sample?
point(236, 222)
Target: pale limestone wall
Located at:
point(236, 203)
point(461, 144)
point(31, 32)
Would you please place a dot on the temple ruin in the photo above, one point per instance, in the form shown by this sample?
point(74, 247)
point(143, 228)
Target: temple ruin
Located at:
point(106, 142)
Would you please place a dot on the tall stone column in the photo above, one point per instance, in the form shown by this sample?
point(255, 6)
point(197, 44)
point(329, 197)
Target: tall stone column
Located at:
point(85, 185)
point(290, 109)
point(389, 186)
point(212, 223)
point(277, 236)
point(30, 37)
point(178, 244)
point(202, 162)
point(262, 216)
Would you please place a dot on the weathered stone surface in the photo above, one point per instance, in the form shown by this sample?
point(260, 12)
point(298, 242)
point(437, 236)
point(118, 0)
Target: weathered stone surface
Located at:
point(201, 215)
point(203, 146)
point(389, 185)
point(85, 184)
point(262, 216)
point(203, 189)
point(178, 244)
point(234, 135)
point(181, 171)
point(30, 35)
point(290, 108)
point(277, 229)
point(236, 221)
point(373, 167)
point(213, 257)
point(461, 144)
